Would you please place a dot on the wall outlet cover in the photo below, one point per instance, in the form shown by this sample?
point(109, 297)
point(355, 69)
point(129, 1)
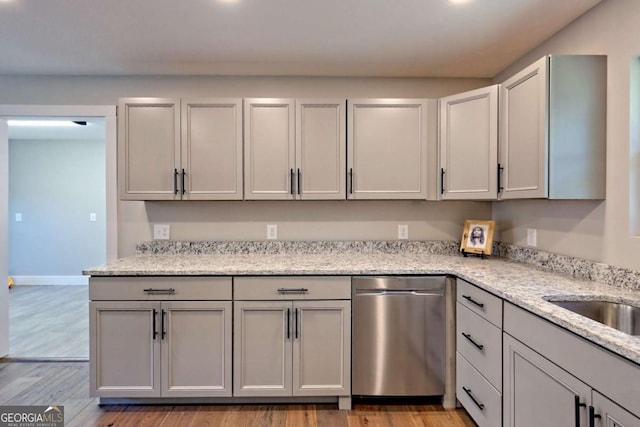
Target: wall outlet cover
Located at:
point(161, 231)
point(532, 237)
point(403, 231)
point(272, 231)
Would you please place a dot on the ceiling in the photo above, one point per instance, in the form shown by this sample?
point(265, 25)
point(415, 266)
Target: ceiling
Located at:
point(93, 131)
point(403, 38)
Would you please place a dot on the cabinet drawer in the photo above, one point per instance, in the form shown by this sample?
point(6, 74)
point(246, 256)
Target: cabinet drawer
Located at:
point(159, 288)
point(480, 342)
point(480, 302)
point(486, 410)
point(287, 288)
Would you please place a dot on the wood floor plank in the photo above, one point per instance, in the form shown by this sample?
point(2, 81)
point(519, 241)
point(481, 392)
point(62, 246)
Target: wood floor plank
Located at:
point(66, 384)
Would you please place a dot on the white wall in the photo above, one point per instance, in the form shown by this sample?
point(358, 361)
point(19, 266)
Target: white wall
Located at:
point(55, 185)
point(601, 231)
point(247, 220)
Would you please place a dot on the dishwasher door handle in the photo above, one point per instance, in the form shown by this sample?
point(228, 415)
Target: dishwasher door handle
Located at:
point(371, 292)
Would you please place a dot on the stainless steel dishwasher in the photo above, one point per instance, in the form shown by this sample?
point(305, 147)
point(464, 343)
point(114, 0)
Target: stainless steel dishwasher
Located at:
point(398, 336)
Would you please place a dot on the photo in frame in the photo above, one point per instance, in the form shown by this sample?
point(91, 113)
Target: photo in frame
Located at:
point(477, 237)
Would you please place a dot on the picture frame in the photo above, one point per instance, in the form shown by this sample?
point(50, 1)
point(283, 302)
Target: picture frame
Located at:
point(477, 237)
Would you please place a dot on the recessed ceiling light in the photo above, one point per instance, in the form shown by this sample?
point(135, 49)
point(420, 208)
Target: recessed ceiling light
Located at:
point(459, 1)
point(46, 123)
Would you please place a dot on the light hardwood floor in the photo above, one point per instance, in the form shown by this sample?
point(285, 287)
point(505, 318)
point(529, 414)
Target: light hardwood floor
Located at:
point(66, 384)
point(49, 322)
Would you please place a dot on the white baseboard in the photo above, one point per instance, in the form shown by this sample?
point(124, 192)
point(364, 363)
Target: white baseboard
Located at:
point(50, 280)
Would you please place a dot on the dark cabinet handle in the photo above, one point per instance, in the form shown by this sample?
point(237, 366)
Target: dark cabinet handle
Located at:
point(471, 300)
point(288, 323)
point(350, 180)
point(593, 416)
point(162, 329)
point(468, 336)
point(184, 190)
point(292, 290)
point(441, 180)
point(160, 290)
point(478, 404)
point(298, 180)
point(154, 334)
point(577, 405)
point(500, 169)
point(291, 181)
point(175, 181)
point(297, 325)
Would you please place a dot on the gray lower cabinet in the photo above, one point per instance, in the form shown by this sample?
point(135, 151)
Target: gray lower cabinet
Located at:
point(610, 414)
point(538, 392)
point(292, 336)
point(160, 337)
point(479, 353)
point(292, 348)
point(553, 377)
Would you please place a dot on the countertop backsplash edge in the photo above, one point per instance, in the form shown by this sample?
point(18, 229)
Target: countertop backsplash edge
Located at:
point(575, 267)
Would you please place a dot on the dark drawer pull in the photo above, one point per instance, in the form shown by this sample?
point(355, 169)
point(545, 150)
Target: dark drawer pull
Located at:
point(471, 300)
point(478, 404)
point(160, 291)
point(292, 290)
point(468, 336)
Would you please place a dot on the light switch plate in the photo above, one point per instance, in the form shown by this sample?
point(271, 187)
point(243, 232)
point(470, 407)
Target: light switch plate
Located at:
point(18, 217)
point(92, 217)
point(161, 231)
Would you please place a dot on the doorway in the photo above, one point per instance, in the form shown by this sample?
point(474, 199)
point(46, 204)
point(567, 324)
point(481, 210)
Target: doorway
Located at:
point(106, 113)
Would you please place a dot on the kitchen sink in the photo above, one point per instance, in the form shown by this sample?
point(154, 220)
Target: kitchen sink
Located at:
point(623, 317)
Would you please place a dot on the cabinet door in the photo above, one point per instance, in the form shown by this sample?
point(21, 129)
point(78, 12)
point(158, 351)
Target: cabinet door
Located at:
point(469, 145)
point(387, 151)
point(524, 133)
point(124, 349)
point(149, 148)
point(262, 348)
point(269, 146)
point(321, 144)
point(322, 348)
point(212, 149)
point(538, 392)
point(612, 415)
point(196, 348)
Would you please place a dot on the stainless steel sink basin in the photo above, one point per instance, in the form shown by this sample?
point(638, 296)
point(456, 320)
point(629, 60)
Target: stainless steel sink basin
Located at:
point(623, 317)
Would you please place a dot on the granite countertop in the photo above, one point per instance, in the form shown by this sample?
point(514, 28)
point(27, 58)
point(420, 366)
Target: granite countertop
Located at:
point(523, 285)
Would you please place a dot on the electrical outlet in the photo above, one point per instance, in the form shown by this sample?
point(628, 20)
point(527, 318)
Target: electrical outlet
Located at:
point(403, 231)
point(161, 231)
point(92, 217)
point(532, 238)
point(18, 217)
point(272, 231)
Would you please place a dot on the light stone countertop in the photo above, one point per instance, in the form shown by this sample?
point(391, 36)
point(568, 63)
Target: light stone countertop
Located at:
point(520, 284)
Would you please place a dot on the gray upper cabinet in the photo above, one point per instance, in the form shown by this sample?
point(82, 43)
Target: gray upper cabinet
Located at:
point(553, 129)
point(212, 149)
point(387, 150)
point(469, 145)
point(170, 150)
point(321, 149)
point(148, 148)
point(269, 144)
point(294, 149)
